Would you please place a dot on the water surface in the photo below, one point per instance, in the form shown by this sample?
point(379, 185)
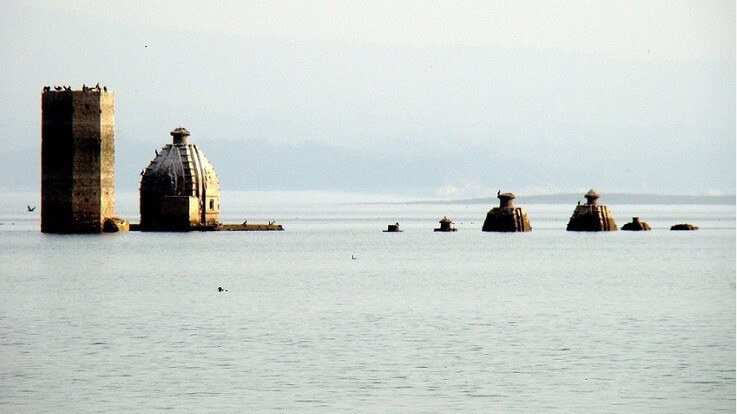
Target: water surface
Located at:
point(419, 322)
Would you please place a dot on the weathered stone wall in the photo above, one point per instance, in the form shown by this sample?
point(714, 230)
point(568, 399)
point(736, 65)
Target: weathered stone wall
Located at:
point(177, 213)
point(86, 162)
point(212, 208)
point(107, 154)
point(209, 190)
point(77, 161)
point(57, 144)
point(194, 212)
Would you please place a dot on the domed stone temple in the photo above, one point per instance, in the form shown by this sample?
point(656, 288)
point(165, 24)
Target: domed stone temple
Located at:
point(591, 216)
point(179, 188)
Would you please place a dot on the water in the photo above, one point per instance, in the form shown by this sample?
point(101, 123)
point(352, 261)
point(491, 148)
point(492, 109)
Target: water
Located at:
point(419, 322)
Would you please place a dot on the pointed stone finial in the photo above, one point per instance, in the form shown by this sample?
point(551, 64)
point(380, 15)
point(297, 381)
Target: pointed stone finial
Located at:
point(591, 197)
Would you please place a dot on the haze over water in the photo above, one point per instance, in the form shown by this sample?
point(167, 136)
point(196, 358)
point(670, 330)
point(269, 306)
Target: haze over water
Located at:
point(430, 100)
point(409, 100)
point(548, 321)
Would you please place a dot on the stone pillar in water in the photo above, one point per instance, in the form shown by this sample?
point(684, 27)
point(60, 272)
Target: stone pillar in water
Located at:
point(77, 160)
point(591, 216)
point(506, 217)
point(636, 225)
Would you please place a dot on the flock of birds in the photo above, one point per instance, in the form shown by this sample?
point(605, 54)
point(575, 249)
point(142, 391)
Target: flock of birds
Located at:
point(85, 88)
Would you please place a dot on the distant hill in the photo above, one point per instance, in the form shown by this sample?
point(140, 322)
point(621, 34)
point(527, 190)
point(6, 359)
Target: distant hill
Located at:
point(615, 198)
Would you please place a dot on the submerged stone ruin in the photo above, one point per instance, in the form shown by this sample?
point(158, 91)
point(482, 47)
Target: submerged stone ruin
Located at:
point(684, 226)
point(179, 188)
point(636, 225)
point(393, 228)
point(446, 225)
point(506, 217)
point(78, 161)
point(591, 216)
point(181, 192)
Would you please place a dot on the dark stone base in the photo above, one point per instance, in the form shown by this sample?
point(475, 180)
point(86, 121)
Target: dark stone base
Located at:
point(506, 220)
point(591, 218)
point(684, 226)
point(641, 226)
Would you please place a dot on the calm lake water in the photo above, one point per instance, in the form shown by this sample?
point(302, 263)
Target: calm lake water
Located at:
point(548, 321)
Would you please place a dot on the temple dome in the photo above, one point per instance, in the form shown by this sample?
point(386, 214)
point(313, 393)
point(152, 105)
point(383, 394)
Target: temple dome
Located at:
point(506, 217)
point(592, 196)
point(591, 216)
point(179, 188)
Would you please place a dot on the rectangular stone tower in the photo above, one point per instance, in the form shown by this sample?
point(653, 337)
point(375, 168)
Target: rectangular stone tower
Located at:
point(77, 160)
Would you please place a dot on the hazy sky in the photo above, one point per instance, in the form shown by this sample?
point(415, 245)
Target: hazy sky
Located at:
point(424, 99)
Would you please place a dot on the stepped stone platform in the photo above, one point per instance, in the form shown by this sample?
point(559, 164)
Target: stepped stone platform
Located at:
point(225, 227)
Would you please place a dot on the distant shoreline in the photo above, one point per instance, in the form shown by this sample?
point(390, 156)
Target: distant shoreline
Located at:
point(613, 198)
point(14, 198)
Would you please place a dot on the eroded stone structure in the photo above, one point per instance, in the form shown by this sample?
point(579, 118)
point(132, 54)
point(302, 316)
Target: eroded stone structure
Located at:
point(179, 188)
point(636, 225)
point(77, 160)
point(684, 226)
point(506, 217)
point(446, 225)
point(591, 216)
point(393, 228)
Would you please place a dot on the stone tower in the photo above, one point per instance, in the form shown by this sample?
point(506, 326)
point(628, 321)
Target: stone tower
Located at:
point(591, 216)
point(77, 160)
point(179, 188)
point(506, 217)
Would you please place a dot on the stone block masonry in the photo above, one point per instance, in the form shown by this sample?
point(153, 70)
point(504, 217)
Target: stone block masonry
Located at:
point(77, 160)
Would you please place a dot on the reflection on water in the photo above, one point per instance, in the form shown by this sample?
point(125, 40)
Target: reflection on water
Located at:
point(420, 321)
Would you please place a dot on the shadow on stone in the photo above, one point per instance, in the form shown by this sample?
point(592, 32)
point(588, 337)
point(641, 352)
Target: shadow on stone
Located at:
point(506, 217)
point(115, 225)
